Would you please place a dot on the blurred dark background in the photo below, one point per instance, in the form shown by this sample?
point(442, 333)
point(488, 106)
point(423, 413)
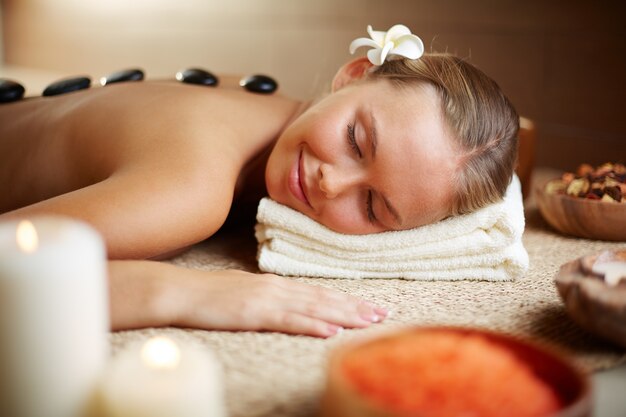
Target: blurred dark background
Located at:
point(562, 63)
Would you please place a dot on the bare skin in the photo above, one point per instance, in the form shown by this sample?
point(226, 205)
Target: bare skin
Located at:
point(156, 167)
point(151, 148)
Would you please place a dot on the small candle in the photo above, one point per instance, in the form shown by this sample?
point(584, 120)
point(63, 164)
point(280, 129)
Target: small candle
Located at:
point(163, 378)
point(53, 317)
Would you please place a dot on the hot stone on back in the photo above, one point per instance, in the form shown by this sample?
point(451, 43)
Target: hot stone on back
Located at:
point(197, 76)
point(10, 91)
point(133, 74)
point(259, 84)
point(67, 85)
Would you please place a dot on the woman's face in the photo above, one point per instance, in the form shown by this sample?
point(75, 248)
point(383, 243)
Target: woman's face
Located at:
point(368, 158)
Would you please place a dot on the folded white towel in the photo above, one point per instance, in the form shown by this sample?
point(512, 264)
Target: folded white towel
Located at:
point(484, 245)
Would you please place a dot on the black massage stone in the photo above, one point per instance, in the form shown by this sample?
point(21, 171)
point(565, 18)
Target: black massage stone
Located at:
point(10, 91)
point(67, 85)
point(122, 76)
point(259, 84)
point(197, 76)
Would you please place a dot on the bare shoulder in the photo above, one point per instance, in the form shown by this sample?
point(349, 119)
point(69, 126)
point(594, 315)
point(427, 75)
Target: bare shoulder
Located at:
point(161, 210)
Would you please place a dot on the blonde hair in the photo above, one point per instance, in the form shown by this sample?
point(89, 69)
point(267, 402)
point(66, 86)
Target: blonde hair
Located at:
point(482, 119)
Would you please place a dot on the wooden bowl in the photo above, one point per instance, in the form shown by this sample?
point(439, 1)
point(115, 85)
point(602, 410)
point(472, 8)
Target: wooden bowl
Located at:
point(590, 301)
point(526, 153)
point(572, 385)
point(591, 219)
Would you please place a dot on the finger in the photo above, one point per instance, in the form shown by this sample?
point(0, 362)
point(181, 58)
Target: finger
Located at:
point(333, 298)
point(340, 314)
point(327, 295)
point(320, 292)
point(327, 304)
point(294, 323)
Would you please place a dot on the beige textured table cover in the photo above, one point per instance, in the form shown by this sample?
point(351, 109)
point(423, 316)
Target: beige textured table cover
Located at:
point(270, 374)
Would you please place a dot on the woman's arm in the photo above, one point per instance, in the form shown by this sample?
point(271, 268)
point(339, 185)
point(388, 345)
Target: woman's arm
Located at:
point(152, 294)
point(145, 212)
point(143, 216)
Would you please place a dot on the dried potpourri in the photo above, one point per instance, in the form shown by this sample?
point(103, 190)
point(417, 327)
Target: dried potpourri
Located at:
point(607, 183)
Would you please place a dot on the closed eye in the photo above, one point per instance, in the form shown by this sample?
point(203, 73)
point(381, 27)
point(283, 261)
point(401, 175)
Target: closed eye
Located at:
point(370, 211)
point(352, 140)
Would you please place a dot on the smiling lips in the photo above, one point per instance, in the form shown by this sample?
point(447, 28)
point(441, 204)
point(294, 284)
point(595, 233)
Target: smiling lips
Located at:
point(295, 181)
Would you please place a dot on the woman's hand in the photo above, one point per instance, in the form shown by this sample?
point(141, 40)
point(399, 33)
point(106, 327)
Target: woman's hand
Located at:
point(237, 300)
point(232, 300)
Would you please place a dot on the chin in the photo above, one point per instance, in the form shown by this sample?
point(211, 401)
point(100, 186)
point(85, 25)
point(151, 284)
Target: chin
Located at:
point(276, 191)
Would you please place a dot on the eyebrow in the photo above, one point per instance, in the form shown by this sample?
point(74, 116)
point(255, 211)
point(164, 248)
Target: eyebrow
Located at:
point(373, 135)
point(373, 145)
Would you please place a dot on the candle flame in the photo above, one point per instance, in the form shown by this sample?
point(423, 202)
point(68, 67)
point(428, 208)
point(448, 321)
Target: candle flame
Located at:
point(26, 236)
point(160, 353)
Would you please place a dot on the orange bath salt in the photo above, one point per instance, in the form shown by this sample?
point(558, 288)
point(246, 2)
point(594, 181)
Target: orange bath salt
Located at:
point(439, 373)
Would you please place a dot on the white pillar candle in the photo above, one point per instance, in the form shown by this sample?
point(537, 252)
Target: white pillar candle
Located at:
point(163, 378)
point(54, 318)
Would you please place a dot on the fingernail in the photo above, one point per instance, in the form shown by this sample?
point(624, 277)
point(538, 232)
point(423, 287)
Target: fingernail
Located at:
point(334, 330)
point(381, 311)
point(366, 312)
point(371, 317)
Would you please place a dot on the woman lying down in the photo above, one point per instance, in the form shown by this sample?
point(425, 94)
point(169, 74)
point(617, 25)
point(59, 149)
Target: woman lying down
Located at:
point(402, 141)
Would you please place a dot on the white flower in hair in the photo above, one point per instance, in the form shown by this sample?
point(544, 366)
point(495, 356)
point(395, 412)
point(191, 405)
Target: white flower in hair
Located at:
point(398, 40)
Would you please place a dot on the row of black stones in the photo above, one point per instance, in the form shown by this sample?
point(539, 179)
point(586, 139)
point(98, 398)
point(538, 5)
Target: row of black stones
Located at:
point(13, 91)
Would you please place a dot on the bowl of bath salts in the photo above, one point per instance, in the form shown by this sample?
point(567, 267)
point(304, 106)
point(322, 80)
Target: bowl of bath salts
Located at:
point(593, 289)
point(452, 371)
point(588, 203)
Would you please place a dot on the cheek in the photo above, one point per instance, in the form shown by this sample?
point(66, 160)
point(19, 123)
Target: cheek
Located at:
point(325, 137)
point(345, 216)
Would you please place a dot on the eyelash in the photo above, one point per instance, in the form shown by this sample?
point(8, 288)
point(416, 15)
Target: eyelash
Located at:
point(370, 211)
point(368, 202)
point(352, 140)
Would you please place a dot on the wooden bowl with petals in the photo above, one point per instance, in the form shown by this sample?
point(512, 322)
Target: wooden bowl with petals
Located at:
point(581, 217)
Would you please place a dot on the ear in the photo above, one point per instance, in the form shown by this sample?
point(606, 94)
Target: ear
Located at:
point(352, 71)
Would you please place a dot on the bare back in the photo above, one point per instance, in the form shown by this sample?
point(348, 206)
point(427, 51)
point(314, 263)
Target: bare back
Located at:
point(152, 165)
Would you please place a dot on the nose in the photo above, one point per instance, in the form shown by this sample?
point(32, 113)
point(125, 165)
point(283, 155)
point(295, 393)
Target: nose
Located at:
point(334, 181)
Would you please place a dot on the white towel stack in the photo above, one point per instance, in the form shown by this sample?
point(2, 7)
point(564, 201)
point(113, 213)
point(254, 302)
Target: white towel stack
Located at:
point(484, 245)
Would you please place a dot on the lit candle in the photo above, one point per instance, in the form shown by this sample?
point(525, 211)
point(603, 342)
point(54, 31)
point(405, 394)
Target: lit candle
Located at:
point(53, 317)
point(163, 378)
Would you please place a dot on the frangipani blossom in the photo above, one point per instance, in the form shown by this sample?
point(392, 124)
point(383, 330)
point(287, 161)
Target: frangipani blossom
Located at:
point(398, 40)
